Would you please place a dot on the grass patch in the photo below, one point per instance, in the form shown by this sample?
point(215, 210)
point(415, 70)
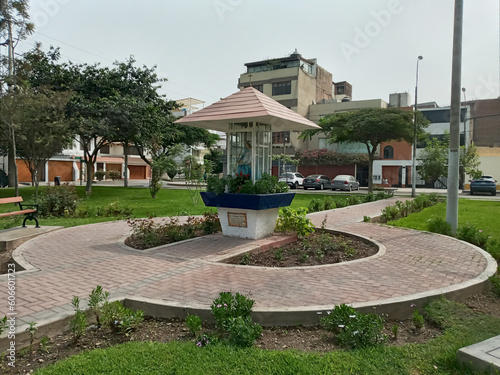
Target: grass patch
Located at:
point(462, 327)
point(167, 203)
point(483, 214)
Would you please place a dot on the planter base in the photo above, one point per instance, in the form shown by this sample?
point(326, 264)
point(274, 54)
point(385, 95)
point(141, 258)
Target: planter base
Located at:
point(251, 224)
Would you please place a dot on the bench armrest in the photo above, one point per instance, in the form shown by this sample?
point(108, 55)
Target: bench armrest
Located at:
point(24, 206)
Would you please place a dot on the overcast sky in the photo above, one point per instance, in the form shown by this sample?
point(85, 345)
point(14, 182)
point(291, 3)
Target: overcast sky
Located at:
point(201, 46)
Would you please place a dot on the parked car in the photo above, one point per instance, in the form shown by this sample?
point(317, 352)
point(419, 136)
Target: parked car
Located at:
point(345, 182)
point(485, 184)
point(317, 181)
point(293, 179)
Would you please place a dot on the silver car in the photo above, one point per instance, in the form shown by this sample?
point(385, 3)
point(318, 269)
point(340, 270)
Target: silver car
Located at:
point(345, 182)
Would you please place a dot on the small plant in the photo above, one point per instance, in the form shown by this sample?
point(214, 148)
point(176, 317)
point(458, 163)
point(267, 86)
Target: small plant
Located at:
point(99, 174)
point(473, 235)
point(366, 219)
point(395, 331)
point(232, 316)
point(44, 344)
point(354, 329)
point(31, 330)
point(278, 255)
point(495, 282)
point(439, 225)
point(121, 319)
point(245, 259)
point(78, 325)
point(194, 324)
point(418, 320)
point(3, 324)
point(294, 221)
point(97, 298)
point(304, 258)
point(114, 175)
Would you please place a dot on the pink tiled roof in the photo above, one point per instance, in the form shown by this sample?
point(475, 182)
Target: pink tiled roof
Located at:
point(245, 106)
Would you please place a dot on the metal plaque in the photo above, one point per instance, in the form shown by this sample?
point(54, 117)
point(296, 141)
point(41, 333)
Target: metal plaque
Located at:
point(237, 219)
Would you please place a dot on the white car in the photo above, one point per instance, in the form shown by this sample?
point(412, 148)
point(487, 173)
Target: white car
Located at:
point(292, 179)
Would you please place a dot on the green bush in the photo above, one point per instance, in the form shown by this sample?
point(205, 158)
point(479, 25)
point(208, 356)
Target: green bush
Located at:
point(493, 247)
point(99, 174)
point(294, 221)
point(113, 209)
point(119, 318)
point(57, 201)
point(439, 225)
point(315, 205)
point(353, 329)
point(232, 317)
point(471, 234)
point(114, 175)
point(194, 324)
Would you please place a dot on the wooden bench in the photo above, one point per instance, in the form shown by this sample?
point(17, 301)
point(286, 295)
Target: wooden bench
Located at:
point(30, 210)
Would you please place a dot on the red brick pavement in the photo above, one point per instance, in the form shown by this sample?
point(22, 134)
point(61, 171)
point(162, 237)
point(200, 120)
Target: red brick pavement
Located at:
point(73, 261)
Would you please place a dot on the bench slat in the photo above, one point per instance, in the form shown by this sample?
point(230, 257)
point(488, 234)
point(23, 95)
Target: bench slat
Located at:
point(17, 213)
point(11, 200)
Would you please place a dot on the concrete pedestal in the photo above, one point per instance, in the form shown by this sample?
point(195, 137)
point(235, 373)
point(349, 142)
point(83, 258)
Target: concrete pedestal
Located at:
point(251, 224)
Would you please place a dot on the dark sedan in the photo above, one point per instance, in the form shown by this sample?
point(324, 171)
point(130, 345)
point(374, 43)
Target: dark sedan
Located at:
point(317, 181)
point(485, 184)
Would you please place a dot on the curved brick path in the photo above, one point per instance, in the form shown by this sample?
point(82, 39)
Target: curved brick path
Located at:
point(73, 261)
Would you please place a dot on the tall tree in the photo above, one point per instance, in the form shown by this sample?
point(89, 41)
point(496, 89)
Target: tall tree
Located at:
point(42, 129)
point(433, 161)
point(14, 26)
point(370, 126)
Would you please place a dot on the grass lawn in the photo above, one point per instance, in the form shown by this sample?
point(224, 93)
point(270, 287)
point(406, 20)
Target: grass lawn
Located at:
point(484, 214)
point(167, 203)
point(462, 327)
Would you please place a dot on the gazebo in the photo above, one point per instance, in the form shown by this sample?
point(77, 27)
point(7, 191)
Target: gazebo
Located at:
point(248, 117)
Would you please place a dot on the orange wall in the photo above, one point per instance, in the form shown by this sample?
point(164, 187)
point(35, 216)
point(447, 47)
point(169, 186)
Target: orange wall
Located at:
point(402, 150)
point(64, 169)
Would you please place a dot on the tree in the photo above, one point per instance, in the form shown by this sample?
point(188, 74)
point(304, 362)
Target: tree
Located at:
point(370, 126)
point(14, 26)
point(433, 161)
point(41, 127)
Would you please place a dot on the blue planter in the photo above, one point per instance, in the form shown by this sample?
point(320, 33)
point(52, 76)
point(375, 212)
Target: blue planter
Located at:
point(247, 201)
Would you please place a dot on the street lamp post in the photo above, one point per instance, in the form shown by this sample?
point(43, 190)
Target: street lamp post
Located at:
point(414, 167)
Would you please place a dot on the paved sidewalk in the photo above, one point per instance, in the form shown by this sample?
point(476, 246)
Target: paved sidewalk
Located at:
point(410, 267)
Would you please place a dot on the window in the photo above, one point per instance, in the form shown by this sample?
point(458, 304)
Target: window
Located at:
point(132, 150)
point(282, 88)
point(388, 152)
point(281, 137)
point(104, 149)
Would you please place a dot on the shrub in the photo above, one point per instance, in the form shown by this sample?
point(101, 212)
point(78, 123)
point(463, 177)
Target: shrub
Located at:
point(471, 234)
point(114, 175)
point(495, 282)
point(57, 201)
point(241, 183)
point(418, 319)
point(99, 174)
point(329, 203)
point(315, 205)
point(97, 298)
point(294, 221)
point(119, 318)
point(354, 329)
point(194, 324)
point(493, 247)
point(439, 225)
point(78, 325)
point(232, 316)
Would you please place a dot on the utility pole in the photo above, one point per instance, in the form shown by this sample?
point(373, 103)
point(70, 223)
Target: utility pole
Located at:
point(454, 152)
point(13, 179)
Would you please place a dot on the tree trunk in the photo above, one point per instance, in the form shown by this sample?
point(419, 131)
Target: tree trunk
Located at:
point(90, 176)
point(125, 175)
